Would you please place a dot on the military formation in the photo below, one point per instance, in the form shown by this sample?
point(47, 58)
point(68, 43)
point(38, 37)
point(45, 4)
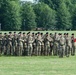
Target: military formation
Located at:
point(37, 44)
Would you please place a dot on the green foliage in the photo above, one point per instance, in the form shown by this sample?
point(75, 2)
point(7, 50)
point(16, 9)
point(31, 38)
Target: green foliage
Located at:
point(45, 16)
point(11, 19)
point(64, 17)
point(28, 17)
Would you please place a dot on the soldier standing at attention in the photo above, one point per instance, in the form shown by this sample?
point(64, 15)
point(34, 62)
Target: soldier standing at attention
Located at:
point(14, 44)
point(42, 44)
point(73, 47)
point(55, 47)
point(39, 41)
point(30, 41)
point(47, 44)
point(24, 44)
point(9, 44)
point(20, 44)
point(68, 45)
point(4, 45)
point(61, 45)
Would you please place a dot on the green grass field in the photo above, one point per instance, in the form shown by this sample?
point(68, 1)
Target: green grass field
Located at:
point(41, 65)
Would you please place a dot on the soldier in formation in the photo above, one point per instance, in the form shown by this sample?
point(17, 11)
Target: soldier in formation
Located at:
point(38, 44)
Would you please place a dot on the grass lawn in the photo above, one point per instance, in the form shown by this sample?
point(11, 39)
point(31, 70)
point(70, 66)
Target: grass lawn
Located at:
point(41, 65)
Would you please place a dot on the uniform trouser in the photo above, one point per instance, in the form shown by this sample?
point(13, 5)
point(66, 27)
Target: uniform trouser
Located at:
point(42, 49)
point(14, 50)
point(67, 51)
point(47, 49)
point(51, 49)
point(9, 49)
point(25, 51)
point(30, 49)
point(4, 50)
point(34, 49)
point(73, 50)
point(55, 49)
point(38, 50)
point(61, 50)
point(19, 50)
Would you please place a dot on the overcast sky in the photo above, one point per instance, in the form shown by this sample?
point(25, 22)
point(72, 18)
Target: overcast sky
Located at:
point(27, 0)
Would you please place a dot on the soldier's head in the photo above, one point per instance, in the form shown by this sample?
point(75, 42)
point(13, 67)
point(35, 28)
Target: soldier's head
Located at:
point(14, 33)
point(10, 33)
point(47, 33)
point(20, 33)
point(23, 33)
point(39, 33)
point(33, 34)
point(67, 34)
point(72, 34)
point(5, 34)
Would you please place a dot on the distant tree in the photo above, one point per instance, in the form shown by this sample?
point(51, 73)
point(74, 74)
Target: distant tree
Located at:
point(11, 19)
point(28, 17)
point(45, 16)
point(64, 17)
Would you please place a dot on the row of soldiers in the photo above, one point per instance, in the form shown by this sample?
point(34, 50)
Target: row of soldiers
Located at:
point(38, 44)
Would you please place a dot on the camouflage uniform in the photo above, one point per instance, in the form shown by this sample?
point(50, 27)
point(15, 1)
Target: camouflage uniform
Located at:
point(4, 44)
point(20, 45)
point(25, 44)
point(9, 45)
point(47, 44)
point(30, 41)
point(73, 47)
point(61, 46)
point(68, 45)
point(38, 44)
point(56, 45)
point(14, 44)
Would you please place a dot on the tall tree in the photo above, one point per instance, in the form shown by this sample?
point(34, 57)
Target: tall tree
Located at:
point(28, 17)
point(11, 19)
point(45, 16)
point(64, 17)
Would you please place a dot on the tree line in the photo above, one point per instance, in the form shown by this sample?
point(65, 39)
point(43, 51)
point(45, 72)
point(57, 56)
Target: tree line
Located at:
point(47, 14)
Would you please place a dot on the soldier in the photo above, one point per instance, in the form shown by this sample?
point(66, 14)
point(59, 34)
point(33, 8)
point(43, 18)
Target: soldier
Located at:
point(24, 44)
point(9, 44)
point(30, 41)
point(61, 45)
point(20, 44)
point(1, 43)
point(34, 43)
point(38, 43)
point(4, 45)
point(14, 44)
point(47, 44)
point(42, 44)
point(55, 47)
point(73, 47)
point(68, 45)
point(51, 43)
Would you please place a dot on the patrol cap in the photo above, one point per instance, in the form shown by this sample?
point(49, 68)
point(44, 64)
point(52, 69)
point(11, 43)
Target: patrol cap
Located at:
point(33, 33)
point(23, 32)
point(72, 33)
point(64, 33)
point(38, 32)
point(50, 33)
point(46, 32)
point(10, 32)
point(5, 33)
point(14, 32)
point(41, 33)
point(67, 33)
point(19, 32)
